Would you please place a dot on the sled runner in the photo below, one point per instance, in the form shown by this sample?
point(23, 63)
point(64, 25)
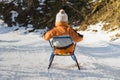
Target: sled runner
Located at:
point(62, 42)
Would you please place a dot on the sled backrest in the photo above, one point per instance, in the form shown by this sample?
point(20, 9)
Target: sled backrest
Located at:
point(62, 41)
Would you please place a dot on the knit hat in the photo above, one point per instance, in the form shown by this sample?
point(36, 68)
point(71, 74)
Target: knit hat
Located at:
point(61, 16)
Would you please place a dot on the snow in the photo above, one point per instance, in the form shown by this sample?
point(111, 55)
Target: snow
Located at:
point(14, 15)
point(5, 0)
point(25, 56)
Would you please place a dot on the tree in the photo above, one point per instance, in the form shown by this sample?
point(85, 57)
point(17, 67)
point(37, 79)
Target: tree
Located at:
point(42, 14)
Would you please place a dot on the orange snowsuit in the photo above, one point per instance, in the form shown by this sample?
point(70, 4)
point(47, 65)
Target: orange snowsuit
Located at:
point(62, 28)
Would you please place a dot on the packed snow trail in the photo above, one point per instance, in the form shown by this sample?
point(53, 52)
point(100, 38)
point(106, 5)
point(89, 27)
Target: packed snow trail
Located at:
point(26, 57)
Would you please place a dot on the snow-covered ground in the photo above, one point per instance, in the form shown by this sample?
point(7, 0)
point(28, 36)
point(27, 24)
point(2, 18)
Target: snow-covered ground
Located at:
point(25, 56)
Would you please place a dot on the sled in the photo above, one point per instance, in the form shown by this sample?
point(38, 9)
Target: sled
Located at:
point(62, 41)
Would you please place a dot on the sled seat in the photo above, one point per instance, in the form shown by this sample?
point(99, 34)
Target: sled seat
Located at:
point(62, 43)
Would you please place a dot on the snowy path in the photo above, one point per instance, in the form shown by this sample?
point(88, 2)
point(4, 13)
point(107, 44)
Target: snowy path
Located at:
point(25, 57)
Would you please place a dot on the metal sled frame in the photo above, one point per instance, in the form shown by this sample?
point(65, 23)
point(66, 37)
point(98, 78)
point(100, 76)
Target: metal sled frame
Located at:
point(53, 55)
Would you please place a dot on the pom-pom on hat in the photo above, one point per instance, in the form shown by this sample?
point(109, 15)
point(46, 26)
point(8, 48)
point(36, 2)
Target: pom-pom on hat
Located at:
point(61, 16)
